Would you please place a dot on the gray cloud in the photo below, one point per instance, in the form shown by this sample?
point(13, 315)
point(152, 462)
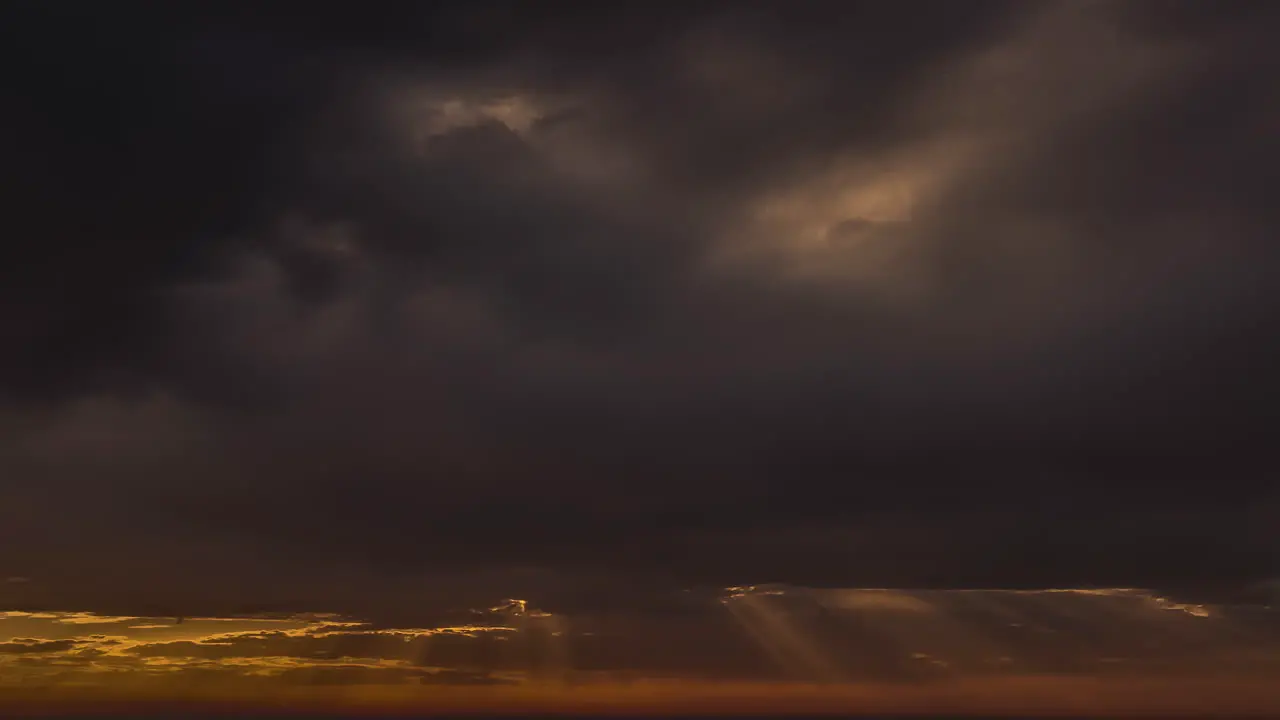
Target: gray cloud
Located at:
point(664, 299)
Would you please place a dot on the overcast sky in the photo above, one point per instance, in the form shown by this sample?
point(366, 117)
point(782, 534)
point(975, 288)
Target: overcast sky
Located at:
point(419, 306)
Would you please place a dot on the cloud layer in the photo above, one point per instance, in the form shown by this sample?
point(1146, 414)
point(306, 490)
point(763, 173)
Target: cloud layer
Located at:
point(753, 633)
point(591, 303)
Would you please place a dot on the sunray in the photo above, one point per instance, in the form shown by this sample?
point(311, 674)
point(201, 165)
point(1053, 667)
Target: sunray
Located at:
point(765, 618)
point(768, 643)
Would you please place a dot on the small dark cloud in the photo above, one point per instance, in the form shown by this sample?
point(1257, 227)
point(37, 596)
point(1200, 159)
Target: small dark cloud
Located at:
point(34, 646)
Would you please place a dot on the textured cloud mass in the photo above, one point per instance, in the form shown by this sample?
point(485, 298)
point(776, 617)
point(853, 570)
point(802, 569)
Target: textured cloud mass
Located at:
point(428, 306)
point(963, 648)
point(773, 632)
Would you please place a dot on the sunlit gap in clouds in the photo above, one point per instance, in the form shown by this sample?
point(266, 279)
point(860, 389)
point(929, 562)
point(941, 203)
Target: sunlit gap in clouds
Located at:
point(77, 648)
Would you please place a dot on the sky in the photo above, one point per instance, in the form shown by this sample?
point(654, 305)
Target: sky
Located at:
point(405, 311)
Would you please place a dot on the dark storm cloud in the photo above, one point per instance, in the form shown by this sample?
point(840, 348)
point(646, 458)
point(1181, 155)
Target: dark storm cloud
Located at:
point(587, 303)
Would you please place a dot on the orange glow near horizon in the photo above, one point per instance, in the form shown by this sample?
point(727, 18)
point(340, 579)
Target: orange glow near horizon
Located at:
point(1025, 696)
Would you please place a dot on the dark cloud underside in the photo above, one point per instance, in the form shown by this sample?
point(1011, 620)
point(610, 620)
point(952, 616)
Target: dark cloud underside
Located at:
point(605, 301)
